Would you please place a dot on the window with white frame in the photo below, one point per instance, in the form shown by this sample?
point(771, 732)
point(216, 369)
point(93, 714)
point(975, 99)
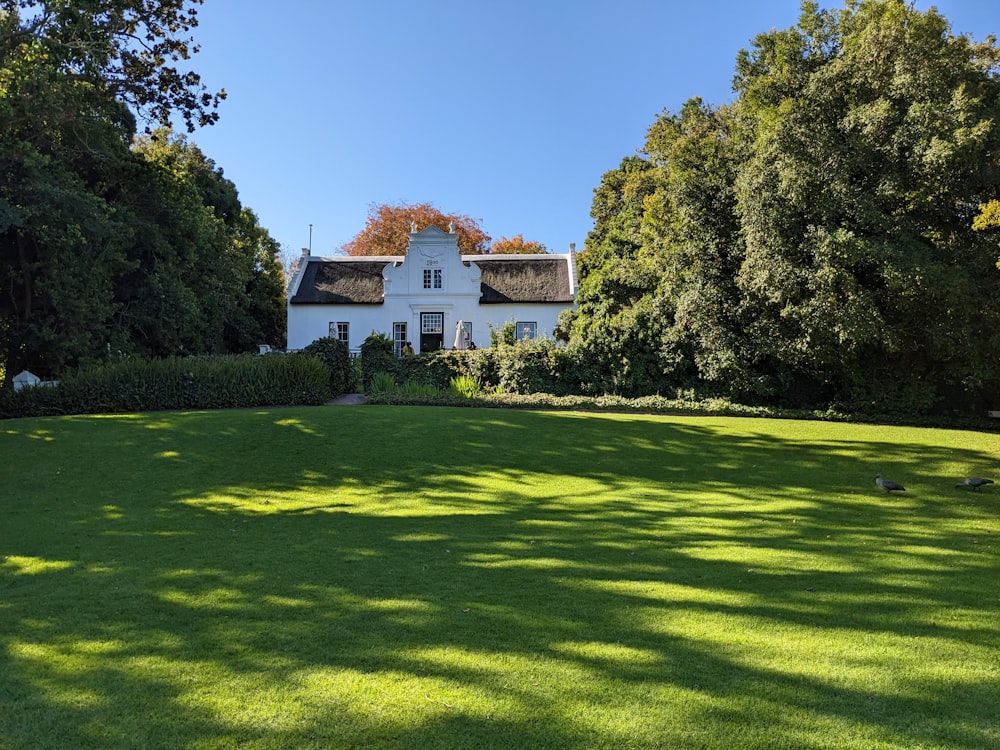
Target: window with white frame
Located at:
point(398, 338)
point(431, 322)
point(342, 331)
point(433, 278)
point(525, 329)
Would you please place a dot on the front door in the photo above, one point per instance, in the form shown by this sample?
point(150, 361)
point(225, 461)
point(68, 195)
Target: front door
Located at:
point(431, 331)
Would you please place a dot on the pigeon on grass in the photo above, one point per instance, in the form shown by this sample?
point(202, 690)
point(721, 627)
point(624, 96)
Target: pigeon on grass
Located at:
point(974, 482)
point(887, 485)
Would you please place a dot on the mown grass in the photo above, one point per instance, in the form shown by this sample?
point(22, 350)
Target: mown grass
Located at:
point(420, 577)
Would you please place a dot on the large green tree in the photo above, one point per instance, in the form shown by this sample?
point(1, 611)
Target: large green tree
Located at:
point(690, 223)
point(109, 246)
point(203, 261)
point(812, 241)
point(130, 51)
point(616, 323)
point(61, 241)
point(870, 138)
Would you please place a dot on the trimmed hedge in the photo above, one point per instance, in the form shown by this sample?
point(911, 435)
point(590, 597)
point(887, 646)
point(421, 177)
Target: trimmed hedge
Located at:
point(336, 356)
point(227, 382)
point(524, 367)
point(548, 401)
point(377, 357)
point(683, 405)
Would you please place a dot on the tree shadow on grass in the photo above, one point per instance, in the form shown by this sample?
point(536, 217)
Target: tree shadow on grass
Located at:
point(582, 582)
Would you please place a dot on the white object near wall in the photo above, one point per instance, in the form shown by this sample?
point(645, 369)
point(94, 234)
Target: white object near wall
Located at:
point(24, 379)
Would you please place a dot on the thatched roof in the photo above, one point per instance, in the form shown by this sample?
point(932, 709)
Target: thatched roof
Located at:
point(357, 282)
point(503, 280)
point(513, 279)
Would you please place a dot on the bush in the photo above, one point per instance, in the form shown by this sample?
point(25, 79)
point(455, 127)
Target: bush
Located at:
point(538, 366)
point(177, 383)
point(381, 382)
point(465, 386)
point(505, 334)
point(377, 357)
point(334, 353)
point(439, 367)
point(528, 367)
point(409, 388)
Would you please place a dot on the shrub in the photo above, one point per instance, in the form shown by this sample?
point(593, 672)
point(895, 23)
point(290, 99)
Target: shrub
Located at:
point(526, 367)
point(334, 353)
point(177, 383)
point(410, 388)
point(381, 382)
point(505, 334)
point(439, 367)
point(465, 386)
point(377, 357)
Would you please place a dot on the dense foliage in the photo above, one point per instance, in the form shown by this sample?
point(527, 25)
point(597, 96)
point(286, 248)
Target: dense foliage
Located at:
point(112, 245)
point(516, 245)
point(811, 243)
point(388, 228)
point(135, 384)
point(377, 357)
point(522, 367)
point(334, 353)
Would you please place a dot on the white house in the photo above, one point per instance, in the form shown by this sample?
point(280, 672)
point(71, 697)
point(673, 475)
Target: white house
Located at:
point(433, 296)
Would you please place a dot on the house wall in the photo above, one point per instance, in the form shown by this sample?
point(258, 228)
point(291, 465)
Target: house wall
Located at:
point(313, 321)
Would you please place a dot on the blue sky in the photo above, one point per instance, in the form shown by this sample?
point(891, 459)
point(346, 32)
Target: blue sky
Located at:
point(509, 112)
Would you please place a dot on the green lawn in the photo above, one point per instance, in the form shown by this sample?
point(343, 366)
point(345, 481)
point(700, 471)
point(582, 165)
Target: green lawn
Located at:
point(460, 578)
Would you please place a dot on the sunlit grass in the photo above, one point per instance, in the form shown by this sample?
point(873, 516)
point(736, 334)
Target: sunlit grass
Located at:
point(455, 578)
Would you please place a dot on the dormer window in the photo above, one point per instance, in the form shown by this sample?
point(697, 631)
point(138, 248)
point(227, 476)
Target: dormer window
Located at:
point(433, 278)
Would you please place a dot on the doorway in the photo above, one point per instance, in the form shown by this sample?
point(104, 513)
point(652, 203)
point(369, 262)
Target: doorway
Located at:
point(431, 331)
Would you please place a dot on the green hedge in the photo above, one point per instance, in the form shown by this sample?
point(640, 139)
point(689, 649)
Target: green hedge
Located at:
point(377, 357)
point(683, 404)
point(336, 356)
point(129, 385)
point(523, 367)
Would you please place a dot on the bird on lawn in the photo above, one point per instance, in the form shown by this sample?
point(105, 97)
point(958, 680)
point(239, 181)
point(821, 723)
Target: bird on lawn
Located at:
point(888, 486)
point(974, 482)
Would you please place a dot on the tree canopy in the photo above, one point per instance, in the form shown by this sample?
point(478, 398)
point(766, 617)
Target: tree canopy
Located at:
point(113, 50)
point(516, 245)
point(812, 242)
point(388, 227)
point(109, 249)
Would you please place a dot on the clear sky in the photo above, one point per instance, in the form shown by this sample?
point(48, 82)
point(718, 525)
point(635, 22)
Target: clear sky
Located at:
point(508, 111)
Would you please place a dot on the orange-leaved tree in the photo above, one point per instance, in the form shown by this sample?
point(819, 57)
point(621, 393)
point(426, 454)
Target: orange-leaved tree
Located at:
point(388, 227)
point(517, 245)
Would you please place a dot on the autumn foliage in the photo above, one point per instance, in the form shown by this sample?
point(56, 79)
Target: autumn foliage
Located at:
point(517, 245)
point(388, 228)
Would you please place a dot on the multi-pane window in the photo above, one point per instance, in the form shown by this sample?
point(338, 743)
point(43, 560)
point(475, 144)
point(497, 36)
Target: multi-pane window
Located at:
point(398, 338)
point(341, 331)
point(525, 329)
point(433, 278)
point(431, 322)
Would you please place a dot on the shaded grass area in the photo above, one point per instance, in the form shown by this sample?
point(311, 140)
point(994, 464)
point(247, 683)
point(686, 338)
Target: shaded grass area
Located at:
point(455, 578)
